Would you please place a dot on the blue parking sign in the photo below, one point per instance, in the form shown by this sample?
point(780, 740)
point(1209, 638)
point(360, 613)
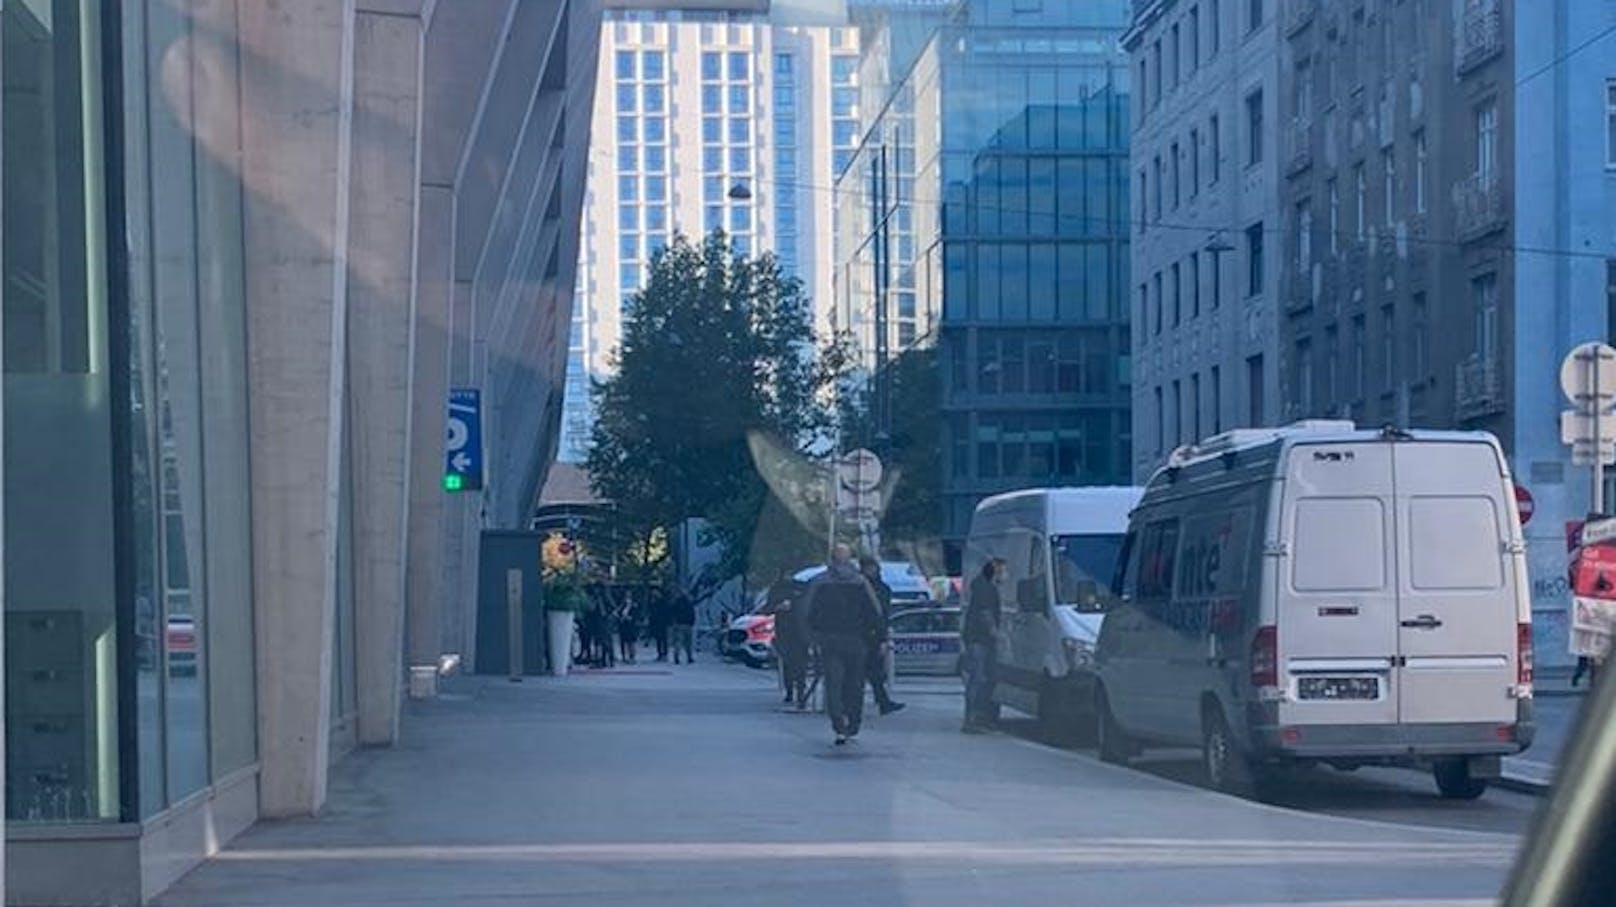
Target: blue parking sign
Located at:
point(463, 452)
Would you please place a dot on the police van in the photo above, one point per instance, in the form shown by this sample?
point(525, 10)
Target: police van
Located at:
point(1323, 594)
point(1060, 548)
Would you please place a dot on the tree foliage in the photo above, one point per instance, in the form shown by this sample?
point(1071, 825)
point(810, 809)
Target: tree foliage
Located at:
point(716, 349)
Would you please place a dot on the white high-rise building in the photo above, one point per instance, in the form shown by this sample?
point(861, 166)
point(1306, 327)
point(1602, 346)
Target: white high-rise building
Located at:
point(706, 120)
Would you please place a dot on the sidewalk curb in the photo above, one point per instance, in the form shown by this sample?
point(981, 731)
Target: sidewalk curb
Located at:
point(1531, 778)
point(1523, 785)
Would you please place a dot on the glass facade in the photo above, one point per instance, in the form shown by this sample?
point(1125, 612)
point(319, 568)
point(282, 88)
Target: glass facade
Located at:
point(994, 186)
point(129, 654)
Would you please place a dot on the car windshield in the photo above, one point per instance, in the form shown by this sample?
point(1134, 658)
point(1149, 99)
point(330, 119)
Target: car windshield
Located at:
point(1085, 566)
point(410, 409)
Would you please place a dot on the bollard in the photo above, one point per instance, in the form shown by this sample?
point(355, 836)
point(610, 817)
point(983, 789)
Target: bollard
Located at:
point(513, 612)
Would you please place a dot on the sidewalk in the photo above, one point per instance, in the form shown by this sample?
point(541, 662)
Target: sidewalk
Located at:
point(1555, 709)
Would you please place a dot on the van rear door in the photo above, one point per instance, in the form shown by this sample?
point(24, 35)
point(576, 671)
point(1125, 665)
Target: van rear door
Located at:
point(1337, 595)
point(1456, 619)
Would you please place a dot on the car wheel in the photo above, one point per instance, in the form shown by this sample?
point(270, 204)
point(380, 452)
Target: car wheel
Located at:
point(1060, 718)
point(1454, 781)
point(1227, 768)
point(1113, 744)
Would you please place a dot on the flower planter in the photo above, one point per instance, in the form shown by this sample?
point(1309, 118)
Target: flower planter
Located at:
point(558, 625)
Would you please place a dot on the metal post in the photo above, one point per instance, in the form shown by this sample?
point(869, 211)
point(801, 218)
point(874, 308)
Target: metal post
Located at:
point(1596, 408)
point(513, 618)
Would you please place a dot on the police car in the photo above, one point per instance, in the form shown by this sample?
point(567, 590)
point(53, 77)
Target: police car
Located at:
point(926, 640)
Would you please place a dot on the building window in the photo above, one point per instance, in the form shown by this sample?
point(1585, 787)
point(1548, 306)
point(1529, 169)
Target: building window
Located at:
point(1161, 423)
point(1156, 74)
point(1388, 165)
point(1420, 361)
point(1173, 151)
point(1360, 211)
point(1304, 377)
point(625, 64)
point(740, 66)
point(1144, 313)
point(1254, 259)
point(1486, 140)
point(1195, 284)
point(1178, 307)
point(1195, 162)
point(1215, 149)
point(1254, 131)
point(1332, 369)
point(1217, 399)
point(1195, 37)
point(1195, 407)
point(1156, 284)
point(1213, 37)
point(712, 66)
point(1610, 123)
point(1144, 86)
point(1173, 60)
point(1360, 358)
point(651, 66)
point(1388, 348)
point(1144, 199)
point(1156, 187)
point(1303, 99)
point(1420, 163)
point(1254, 390)
point(1335, 214)
point(1484, 295)
point(1304, 236)
point(1255, 14)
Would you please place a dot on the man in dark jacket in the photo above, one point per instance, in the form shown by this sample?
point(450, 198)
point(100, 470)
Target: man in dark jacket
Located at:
point(683, 620)
point(879, 648)
point(660, 606)
point(980, 636)
point(791, 638)
point(844, 615)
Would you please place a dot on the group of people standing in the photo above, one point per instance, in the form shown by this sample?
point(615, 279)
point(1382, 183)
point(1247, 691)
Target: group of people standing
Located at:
point(841, 616)
point(611, 630)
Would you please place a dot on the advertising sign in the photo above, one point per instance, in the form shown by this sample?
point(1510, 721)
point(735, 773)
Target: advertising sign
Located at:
point(1593, 586)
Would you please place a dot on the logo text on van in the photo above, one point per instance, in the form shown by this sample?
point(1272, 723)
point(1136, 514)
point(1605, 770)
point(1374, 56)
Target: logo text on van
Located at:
point(1332, 456)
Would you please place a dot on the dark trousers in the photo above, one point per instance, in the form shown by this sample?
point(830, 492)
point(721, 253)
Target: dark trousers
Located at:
point(660, 634)
point(979, 670)
point(846, 669)
point(794, 671)
point(878, 676)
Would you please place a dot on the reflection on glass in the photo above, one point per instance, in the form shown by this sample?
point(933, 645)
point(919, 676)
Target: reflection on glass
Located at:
point(60, 591)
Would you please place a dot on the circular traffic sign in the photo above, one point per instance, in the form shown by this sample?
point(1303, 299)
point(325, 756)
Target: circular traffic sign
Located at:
point(1524, 504)
point(1588, 375)
point(860, 470)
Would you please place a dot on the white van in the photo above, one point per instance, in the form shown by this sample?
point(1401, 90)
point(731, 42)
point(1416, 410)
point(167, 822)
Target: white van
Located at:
point(1321, 594)
point(1061, 546)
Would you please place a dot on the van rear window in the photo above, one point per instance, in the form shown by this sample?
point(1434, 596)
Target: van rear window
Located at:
point(1339, 545)
point(1454, 543)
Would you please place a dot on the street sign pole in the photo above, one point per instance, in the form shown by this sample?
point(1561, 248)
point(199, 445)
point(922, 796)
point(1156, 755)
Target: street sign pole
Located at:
point(1598, 496)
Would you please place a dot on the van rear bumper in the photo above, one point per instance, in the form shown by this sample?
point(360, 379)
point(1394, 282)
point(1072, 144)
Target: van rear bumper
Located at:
point(1393, 742)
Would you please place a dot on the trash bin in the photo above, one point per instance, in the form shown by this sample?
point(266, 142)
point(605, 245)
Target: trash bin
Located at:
point(423, 681)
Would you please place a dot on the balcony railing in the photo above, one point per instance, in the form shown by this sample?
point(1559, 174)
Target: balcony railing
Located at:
point(1298, 140)
point(1478, 205)
point(1298, 13)
point(1480, 37)
point(1478, 387)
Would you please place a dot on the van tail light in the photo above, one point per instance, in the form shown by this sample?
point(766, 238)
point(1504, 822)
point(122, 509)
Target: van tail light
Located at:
point(1523, 656)
point(1265, 657)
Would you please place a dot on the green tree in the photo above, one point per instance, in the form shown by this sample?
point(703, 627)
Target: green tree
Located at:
point(716, 350)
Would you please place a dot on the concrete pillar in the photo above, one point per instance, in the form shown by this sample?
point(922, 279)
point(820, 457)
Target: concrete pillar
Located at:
point(425, 587)
point(297, 103)
point(381, 344)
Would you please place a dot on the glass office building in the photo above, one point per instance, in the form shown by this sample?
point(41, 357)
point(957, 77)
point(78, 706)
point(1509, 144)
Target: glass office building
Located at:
point(992, 191)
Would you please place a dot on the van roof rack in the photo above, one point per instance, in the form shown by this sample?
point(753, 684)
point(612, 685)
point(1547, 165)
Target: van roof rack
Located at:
point(1242, 438)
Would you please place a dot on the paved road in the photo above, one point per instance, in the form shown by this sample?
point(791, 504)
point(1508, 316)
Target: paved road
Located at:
point(690, 786)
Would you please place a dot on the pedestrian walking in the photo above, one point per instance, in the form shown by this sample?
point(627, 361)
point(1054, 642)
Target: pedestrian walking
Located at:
point(600, 630)
point(791, 637)
point(682, 622)
point(628, 630)
point(880, 648)
point(660, 608)
point(981, 635)
point(844, 614)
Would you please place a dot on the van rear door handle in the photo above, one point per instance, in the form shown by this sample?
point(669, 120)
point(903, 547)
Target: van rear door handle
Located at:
point(1423, 622)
